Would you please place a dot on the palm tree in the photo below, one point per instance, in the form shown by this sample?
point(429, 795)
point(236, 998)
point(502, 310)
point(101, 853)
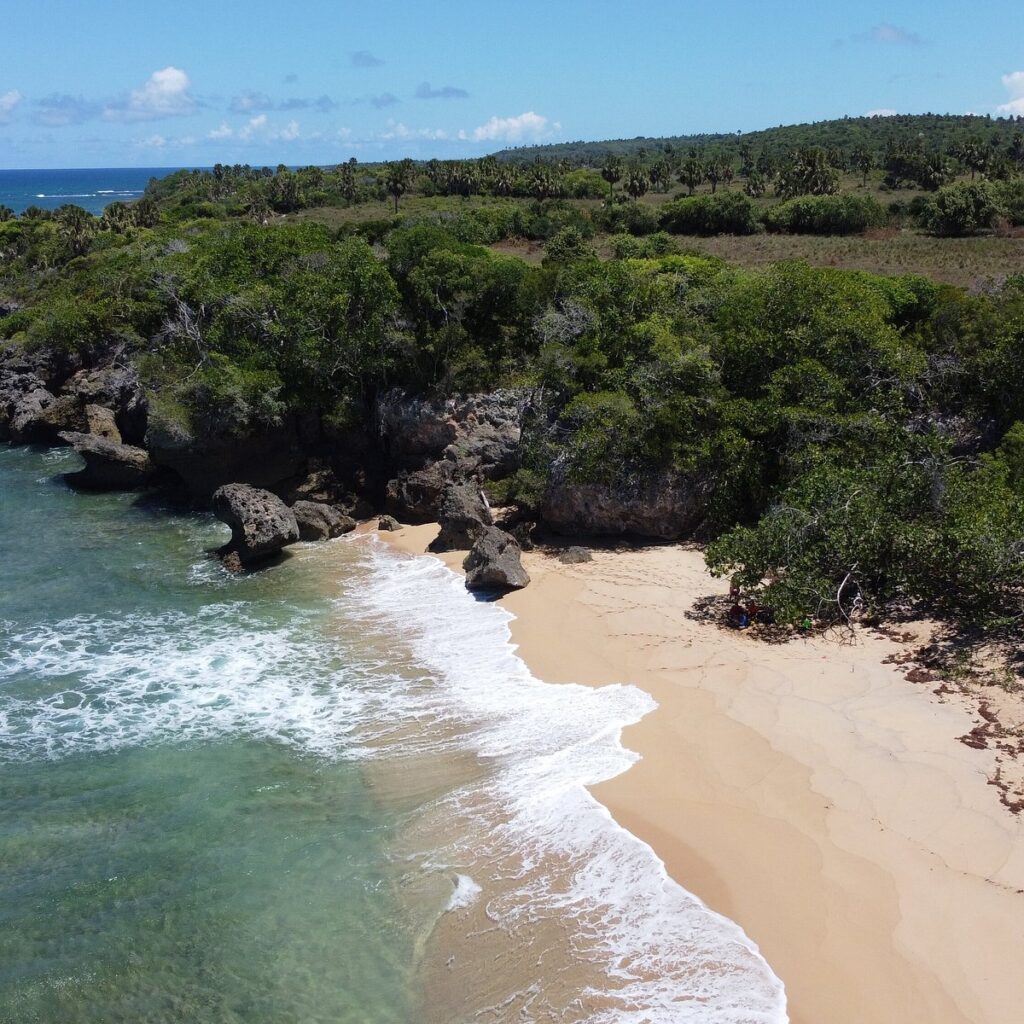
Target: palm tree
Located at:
point(396, 180)
point(76, 227)
point(611, 172)
point(145, 212)
point(692, 172)
point(863, 160)
point(637, 183)
point(117, 218)
point(541, 182)
point(660, 175)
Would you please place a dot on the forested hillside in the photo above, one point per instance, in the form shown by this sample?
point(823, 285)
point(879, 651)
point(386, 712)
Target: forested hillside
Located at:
point(846, 443)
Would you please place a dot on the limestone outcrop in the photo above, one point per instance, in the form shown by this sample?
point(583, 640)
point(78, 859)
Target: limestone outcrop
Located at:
point(463, 515)
point(495, 563)
point(261, 523)
point(318, 521)
point(109, 465)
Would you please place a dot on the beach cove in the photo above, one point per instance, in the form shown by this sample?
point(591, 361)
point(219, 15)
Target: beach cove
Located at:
point(807, 791)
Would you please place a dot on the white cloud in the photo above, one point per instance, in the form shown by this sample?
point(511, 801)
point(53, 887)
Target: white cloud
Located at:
point(165, 94)
point(397, 130)
point(8, 103)
point(882, 112)
point(529, 126)
point(289, 132)
point(255, 124)
point(1014, 85)
point(225, 131)
point(154, 142)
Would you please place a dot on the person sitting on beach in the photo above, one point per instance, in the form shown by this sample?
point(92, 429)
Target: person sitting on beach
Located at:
point(739, 618)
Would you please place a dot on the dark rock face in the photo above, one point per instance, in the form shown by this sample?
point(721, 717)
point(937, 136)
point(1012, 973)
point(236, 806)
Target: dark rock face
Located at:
point(479, 434)
point(24, 399)
point(388, 524)
point(53, 366)
point(320, 522)
point(204, 464)
point(463, 515)
point(523, 533)
point(261, 523)
point(108, 401)
point(575, 555)
point(494, 563)
point(662, 505)
point(416, 497)
point(109, 466)
point(118, 389)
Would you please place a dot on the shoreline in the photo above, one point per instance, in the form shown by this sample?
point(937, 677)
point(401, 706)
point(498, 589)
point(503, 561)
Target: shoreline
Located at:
point(807, 791)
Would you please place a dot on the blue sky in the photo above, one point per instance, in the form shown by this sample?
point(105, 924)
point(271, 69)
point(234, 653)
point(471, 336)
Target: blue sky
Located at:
point(94, 83)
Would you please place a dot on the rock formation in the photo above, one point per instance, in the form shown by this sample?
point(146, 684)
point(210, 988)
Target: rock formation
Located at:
point(575, 555)
point(494, 563)
point(463, 516)
point(662, 505)
point(109, 466)
point(261, 523)
point(317, 521)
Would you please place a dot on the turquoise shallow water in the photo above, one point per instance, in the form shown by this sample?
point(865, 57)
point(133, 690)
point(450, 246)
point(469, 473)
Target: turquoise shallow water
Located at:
point(183, 835)
point(252, 799)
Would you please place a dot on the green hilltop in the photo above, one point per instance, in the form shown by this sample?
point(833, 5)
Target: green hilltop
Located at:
point(937, 131)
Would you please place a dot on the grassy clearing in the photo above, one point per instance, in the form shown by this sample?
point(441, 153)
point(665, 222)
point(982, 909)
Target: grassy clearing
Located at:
point(968, 262)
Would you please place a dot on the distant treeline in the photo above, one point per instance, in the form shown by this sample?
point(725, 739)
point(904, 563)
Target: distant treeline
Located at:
point(936, 131)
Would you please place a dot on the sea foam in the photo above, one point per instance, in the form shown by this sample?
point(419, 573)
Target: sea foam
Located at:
point(94, 683)
point(667, 957)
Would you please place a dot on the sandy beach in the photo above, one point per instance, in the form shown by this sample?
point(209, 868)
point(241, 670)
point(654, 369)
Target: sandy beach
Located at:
point(806, 790)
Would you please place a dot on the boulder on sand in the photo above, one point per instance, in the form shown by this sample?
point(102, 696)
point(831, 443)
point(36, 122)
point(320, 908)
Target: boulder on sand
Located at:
point(261, 523)
point(494, 563)
point(389, 524)
point(318, 521)
point(575, 555)
point(464, 516)
point(109, 466)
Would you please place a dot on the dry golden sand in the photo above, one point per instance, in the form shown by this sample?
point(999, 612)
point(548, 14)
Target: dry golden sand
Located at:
point(808, 791)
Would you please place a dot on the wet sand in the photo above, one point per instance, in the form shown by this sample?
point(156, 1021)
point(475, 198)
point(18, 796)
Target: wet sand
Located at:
point(807, 790)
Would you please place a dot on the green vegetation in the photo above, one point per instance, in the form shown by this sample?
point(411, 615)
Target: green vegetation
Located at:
point(848, 214)
point(855, 440)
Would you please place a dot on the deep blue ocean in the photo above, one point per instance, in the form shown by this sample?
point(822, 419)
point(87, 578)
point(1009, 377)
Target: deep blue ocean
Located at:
point(91, 188)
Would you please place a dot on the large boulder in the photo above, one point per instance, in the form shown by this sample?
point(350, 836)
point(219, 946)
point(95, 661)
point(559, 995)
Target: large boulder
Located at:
point(416, 497)
point(494, 563)
point(317, 521)
point(109, 466)
point(261, 523)
point(663, 505)
point(463, 515)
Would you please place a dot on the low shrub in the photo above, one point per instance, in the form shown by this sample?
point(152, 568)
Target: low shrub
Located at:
point(961, 209)
point(727, 213)
point(826, 215)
